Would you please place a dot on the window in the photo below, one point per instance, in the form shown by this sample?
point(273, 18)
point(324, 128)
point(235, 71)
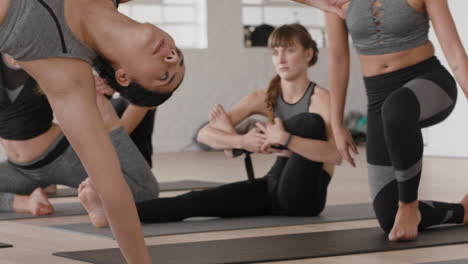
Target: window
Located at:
point(279, 12)
point(185, 20)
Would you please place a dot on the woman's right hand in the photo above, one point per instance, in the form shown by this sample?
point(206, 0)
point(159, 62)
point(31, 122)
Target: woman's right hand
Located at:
point(344, 141)
point(253, 141)
point(332, 6)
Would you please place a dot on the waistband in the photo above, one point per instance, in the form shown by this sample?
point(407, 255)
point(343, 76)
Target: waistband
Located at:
point(52, 153)
point(418, 67)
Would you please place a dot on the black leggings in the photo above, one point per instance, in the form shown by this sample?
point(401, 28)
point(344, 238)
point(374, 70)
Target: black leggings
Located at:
point(143, 133)
point(400, 104)
point(294, 186)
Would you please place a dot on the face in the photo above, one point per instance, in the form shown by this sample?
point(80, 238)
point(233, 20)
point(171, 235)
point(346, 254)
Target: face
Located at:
point(292, 61)
point(154, 62)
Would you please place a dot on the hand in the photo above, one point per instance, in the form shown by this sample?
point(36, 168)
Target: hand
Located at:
point(102, 87)
point(253, 141)
point(332, 6)
point(344, 141)
point(275, 134)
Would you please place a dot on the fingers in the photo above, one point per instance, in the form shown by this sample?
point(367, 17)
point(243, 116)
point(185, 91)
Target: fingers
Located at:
point(345, 154)
point(261, 127)
point(337, 10)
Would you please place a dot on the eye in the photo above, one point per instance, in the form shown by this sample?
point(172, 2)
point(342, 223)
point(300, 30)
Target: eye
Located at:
point(164, 77)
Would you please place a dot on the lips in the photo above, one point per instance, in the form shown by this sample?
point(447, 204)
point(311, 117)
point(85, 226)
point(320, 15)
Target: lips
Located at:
point(283, 69)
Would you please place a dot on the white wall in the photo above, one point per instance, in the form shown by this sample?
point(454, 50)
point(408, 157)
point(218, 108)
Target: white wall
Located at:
point(224, 73)
point(450, 138)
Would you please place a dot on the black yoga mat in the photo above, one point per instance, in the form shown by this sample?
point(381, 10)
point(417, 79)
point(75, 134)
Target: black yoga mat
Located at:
point(165, 187)
point(63, 209)
point(280, 248)
point(2, 245)
point(457, 261)
point(333, 213)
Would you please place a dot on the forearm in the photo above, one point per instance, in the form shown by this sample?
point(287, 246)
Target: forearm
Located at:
point(218, 139)
point(132, 117)
point(123, 218)
point(460, 70)
point(338, 76)
point(313, 149)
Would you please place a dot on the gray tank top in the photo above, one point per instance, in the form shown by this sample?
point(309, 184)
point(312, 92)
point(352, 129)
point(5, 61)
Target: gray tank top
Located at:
point(285, 110)
point(397, 27)
point(37, 29)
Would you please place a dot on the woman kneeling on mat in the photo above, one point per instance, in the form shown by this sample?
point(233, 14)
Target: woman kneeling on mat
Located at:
point(56, 41)
point(408, 89)
point(39, 155)
point(297, 183)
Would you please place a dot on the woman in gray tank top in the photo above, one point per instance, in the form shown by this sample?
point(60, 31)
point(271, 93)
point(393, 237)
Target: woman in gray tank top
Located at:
point(64, 37)
point(297, 183)
point(408, 89)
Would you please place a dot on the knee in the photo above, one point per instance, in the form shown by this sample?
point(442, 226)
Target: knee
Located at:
point(400, 108)
point(307, 125)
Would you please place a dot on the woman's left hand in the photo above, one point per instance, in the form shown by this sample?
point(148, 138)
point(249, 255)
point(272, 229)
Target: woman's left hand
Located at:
point(275, 134)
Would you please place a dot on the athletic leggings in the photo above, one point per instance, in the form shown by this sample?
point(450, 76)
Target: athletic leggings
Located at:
point(400, 103)
point(294, 186)
point(143, 133)
point(60, 165)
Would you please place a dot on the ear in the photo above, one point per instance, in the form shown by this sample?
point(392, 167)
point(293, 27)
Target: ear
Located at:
point(310, 54)
point(122, 77)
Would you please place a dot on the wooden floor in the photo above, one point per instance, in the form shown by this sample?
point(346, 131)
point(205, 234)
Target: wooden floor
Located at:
point(443, 179)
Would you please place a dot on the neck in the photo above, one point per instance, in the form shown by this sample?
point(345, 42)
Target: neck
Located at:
point(105, 26)
point(293, 90)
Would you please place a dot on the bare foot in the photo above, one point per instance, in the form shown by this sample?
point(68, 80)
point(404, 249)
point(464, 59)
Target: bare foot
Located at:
point(51, 189)
point(406, 222)
point(220, 120)
point(464, 202)
point(36, 203)
point(92, 203)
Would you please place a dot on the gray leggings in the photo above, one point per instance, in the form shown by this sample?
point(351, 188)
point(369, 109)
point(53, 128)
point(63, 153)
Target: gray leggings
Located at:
point(67, 170)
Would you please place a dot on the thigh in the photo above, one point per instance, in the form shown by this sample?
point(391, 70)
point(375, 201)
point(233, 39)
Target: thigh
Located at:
point(14, 181)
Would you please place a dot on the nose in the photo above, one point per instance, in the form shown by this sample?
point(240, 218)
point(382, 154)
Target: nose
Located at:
point(172, 57)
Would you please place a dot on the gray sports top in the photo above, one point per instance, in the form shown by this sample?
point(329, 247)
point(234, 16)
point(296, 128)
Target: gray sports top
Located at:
point(285, 110)
point(399, 26)
point(36, 29)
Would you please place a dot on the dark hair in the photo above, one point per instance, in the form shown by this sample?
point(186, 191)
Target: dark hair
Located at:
point(286, 36)
point(135, 93)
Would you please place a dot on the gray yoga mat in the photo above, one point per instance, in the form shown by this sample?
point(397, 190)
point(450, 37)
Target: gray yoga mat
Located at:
point(165, 187)
point(333, 213)
point(457, 261)
point(279, 248)
point(2, 245)
point(62, 209)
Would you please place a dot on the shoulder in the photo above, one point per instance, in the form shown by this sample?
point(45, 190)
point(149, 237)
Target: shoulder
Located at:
point(321, 93)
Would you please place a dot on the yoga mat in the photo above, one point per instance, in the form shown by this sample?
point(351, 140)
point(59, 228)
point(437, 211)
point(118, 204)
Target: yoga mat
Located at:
point(5, 245)
point(280, 248)
point(457, 261)
point(332, 213)
point(63, 209)
point(165, 187)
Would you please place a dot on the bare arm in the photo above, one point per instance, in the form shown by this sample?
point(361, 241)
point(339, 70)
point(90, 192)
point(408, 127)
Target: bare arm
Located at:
point(250, 105)
point(338, 66)
point(447, 34)
point(133, 116)
point(338, 75)
point(313, 149)
point(71, 93)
